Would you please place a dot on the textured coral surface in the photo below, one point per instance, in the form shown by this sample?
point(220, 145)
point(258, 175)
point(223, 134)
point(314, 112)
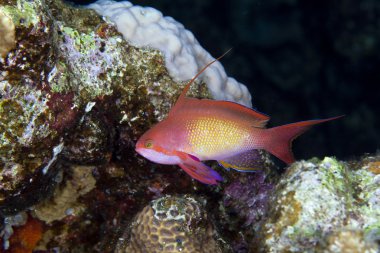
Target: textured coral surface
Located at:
point(172, 224)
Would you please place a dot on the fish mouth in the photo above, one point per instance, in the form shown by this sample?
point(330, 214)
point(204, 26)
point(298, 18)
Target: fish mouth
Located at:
point(139, 150)
point(142, 152)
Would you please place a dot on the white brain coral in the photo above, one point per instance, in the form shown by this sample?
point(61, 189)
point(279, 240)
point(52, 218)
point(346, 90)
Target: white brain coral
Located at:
point(184, 56)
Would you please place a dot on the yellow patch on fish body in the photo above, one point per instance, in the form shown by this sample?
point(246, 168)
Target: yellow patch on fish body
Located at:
point(211, 136)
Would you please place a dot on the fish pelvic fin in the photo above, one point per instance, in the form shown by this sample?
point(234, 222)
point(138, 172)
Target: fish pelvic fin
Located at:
point(197, 170)
point(182, 97)
point(244, 162)
point(278, 140)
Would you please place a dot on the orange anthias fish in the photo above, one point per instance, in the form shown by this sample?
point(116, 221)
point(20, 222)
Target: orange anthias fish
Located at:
point(197, 130)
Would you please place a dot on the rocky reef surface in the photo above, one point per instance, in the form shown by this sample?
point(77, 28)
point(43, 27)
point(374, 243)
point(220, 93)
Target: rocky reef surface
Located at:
point(74, 98)
point(325, 206)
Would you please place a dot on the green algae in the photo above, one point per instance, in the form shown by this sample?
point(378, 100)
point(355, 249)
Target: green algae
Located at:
point(82, 41)
point(335, 175)
point(367, 186)
point(23, 13)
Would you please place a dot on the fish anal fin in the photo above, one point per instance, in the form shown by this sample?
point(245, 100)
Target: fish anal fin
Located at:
point(246, 161)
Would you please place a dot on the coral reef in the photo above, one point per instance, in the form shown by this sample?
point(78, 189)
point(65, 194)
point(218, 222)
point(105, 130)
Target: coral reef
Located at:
point(315, 199)
point(172, 224)
point(72, 81)
point(74, 97)
point(184, 57)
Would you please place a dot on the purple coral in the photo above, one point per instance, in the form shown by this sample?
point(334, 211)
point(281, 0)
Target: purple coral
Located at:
point(248, 199)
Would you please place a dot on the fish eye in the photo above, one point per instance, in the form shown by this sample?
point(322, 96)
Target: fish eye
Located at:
point(148, 143)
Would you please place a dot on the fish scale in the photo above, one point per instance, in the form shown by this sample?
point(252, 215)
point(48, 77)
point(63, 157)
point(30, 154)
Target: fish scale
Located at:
point(212, 137)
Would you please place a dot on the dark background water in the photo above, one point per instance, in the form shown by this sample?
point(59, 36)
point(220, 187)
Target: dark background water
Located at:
point(300, 60)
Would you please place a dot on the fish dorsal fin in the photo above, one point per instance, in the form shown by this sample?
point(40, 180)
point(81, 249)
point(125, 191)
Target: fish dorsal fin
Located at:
point(231, 110)
point(182, 98)
point(256, 119)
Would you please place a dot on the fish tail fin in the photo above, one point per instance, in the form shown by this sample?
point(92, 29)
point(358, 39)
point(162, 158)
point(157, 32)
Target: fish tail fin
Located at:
point(279, 139)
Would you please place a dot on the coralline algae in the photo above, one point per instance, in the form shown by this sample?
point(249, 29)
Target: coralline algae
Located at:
point(249, 199)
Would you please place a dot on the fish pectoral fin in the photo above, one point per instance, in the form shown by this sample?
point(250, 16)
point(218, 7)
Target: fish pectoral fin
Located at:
point(198, 170)
point(245, 162)
point(201, 172)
